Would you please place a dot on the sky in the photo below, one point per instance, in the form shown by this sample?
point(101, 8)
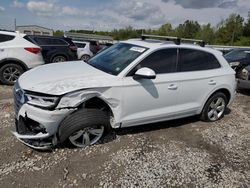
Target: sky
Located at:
point(109, 14)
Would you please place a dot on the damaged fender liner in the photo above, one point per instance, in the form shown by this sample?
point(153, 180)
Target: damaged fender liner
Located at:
point(75, 99)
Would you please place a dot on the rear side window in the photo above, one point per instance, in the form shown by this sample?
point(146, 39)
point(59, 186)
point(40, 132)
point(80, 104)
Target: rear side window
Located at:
point(195, 60)
point(161, 61)
point(80, 45)
point(49, 41)
point(5, 38)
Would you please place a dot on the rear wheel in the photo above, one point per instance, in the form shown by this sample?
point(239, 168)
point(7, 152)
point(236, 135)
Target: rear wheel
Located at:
point(85, 57)
point(9, 73)
point(84, 127)
point(215, 107)
point(58, 58)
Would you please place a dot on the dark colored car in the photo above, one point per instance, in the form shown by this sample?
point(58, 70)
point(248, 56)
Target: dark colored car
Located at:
point(239, 59)
point(55, 49)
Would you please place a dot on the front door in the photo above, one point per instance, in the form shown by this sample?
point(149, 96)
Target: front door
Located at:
point(151, 100)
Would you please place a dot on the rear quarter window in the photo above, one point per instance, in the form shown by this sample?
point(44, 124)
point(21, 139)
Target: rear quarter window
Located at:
point(5, 38)
point(43, 41)
point(196, 60)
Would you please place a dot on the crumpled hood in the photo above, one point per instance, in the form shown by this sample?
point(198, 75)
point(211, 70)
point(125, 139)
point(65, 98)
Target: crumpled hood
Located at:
point(61, 78)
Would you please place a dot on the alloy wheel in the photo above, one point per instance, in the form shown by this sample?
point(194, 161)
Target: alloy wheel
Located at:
point(11, 74)
point(87, 136)
point(216, 108)
point(59, 59)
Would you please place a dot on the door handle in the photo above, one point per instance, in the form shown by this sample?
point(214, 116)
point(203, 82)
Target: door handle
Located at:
point(172, 87)
point(212, 82)
point(1, 49)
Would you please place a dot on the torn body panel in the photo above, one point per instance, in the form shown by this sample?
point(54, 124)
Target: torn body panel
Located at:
point(74, 100)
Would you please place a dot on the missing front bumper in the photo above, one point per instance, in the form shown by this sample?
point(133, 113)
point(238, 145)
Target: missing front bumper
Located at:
point(39, 141)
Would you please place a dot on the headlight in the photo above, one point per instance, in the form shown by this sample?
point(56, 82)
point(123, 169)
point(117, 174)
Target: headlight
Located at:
point(42, 101)
point(244, 74)
point(234, 64)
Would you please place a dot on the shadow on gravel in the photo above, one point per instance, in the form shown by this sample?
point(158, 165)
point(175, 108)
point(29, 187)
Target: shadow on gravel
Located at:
point(244, 92)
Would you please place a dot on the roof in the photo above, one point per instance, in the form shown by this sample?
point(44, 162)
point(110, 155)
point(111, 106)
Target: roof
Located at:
point(13, 33)
point(161, 43)
point(34, 26)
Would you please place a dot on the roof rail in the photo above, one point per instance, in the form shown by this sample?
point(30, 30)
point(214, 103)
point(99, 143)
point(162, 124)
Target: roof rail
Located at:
point(202, 43)
point(176, 40)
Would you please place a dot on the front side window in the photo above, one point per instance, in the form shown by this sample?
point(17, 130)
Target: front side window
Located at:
point(195, 60)
point(116, 58)
point(161, 61)
point(5, 38)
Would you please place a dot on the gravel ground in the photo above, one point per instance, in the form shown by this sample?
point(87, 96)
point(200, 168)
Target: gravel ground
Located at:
point(181, 153)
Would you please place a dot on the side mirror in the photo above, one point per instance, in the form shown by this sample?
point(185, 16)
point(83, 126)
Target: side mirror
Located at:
point(144, 73)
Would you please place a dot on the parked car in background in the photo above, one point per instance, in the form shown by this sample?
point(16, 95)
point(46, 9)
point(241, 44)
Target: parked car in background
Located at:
point(55, 49)
point(239, 60)
point(17, 55)
point(131, 83)
point(95, 47)
point(83, 50)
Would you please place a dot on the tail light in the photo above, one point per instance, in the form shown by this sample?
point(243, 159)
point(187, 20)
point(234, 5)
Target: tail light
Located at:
point(73, 47)
point(33, 50)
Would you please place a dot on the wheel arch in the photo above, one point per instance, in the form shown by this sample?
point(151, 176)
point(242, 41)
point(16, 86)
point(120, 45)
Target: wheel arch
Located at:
point(224, 90)
point(98, 103)
point(14, 61)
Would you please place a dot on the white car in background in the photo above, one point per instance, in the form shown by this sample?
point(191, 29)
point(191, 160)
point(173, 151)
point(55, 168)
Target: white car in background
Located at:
point(83, 50)
point(134, 82)
point(17, 55)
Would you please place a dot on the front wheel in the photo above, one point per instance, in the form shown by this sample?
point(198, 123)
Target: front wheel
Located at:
point(84, 127)
point(215, 107)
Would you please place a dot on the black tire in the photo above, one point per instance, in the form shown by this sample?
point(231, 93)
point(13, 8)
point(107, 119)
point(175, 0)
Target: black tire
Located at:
point(58, 58)
point(9, 73)
point(82, 119)
point(85, 57)
point(207, 108)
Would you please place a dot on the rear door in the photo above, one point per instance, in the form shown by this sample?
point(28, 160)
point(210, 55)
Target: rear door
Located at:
point(199, 74)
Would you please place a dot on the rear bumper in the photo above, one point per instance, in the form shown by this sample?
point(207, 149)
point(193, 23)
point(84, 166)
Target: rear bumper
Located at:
point(243, 84)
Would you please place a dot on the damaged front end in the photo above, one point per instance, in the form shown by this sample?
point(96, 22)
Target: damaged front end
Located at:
point(33, 134)
point(38, 117)
point(36, 126)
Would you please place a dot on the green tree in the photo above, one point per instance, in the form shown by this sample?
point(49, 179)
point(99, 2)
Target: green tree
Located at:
point(246, 29)
point(58, 33)
point(165, 29)
point(188, 29)
point(230, 30)
point(206, 33)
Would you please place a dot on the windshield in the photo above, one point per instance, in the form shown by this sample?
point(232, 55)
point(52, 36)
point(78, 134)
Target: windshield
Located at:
point(237, 54)
point(116, 58)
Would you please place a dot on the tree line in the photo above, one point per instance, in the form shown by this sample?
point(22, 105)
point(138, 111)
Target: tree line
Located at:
point(233, 30)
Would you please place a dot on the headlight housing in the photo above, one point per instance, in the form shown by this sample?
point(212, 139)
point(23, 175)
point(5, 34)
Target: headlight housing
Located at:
point(42, 101)
point(244, 74)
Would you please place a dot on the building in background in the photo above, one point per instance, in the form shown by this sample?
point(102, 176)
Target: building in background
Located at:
point(34, 30)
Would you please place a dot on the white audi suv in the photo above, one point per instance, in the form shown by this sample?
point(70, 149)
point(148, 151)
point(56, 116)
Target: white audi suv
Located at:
point(134, 82)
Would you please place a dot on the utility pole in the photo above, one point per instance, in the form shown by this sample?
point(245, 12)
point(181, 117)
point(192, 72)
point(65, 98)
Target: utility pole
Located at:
point(15, 23)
